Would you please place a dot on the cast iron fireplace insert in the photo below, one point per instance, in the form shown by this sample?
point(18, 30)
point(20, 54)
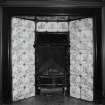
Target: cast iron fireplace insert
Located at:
point(52, 62)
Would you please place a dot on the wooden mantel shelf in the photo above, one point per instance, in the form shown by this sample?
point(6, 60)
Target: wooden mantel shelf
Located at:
point(41, 3)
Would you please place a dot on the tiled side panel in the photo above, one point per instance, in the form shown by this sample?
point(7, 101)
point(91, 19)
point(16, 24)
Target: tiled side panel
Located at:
point(52, 27)
point(81, 59)
point(23, 58)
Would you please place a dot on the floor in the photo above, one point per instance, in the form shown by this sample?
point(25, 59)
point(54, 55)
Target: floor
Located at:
point(53, 100)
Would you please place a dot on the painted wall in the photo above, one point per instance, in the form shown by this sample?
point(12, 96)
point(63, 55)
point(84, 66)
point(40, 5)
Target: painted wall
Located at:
point(103, 47)
point(0, 53)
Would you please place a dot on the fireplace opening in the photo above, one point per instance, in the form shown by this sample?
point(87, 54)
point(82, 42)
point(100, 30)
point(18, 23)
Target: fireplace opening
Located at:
point(51, 63)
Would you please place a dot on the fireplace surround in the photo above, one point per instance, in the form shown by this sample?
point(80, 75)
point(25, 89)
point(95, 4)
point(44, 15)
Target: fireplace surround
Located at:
point(75, 14)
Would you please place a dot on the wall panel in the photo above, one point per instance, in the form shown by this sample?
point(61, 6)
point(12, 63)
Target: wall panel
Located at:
point(103, 47)
point(1, 53)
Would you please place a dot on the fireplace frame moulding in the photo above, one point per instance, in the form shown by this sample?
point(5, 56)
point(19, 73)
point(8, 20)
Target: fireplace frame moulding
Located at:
point(95, 13)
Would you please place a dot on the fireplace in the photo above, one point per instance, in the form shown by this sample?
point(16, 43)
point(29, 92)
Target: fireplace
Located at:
point(51, 66)
point(52, 55)
point(62, 60)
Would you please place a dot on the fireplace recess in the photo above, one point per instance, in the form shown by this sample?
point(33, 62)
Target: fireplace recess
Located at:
point(52, 63)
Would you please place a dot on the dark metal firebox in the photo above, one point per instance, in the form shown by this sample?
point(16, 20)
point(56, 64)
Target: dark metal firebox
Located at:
point(52, 62)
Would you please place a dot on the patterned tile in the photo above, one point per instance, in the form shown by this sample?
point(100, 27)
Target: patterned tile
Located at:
point(81, 59)
point(23, 68)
